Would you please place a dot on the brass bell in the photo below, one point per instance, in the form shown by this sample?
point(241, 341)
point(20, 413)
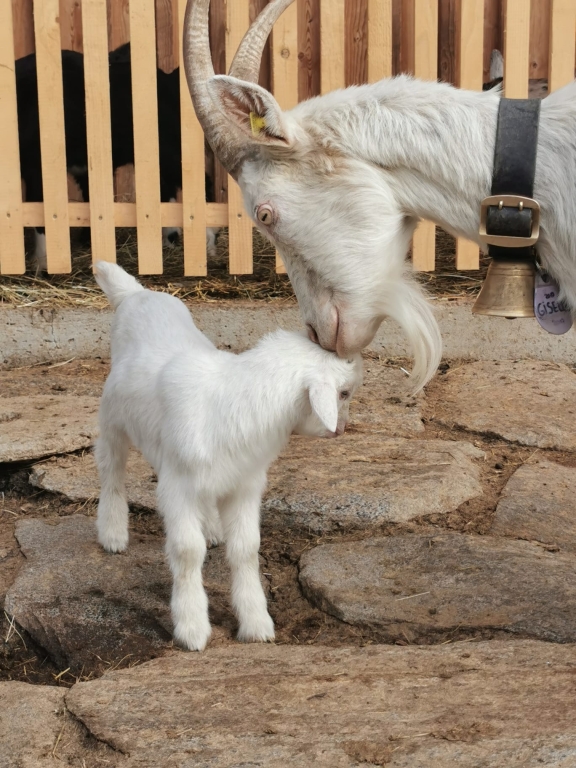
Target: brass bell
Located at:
point(508, 290)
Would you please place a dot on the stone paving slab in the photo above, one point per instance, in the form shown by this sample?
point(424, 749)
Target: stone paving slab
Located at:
point(539, 503)
point(36, 731)
point(32, 427)
point(356, 481)
point(383, 403)
point(527, 402)
point(76, 477)
point(417, 584)
point(80, 603)
point(467, 705)
point(362, 481)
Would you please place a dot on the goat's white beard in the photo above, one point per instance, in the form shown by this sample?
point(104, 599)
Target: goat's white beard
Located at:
point(409, 306)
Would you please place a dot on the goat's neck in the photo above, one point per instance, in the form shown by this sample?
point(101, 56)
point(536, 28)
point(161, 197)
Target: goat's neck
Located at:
point(434, 144)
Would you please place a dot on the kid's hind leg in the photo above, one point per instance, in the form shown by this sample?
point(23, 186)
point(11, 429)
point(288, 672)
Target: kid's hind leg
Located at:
point(240, 513)
point(111, 454)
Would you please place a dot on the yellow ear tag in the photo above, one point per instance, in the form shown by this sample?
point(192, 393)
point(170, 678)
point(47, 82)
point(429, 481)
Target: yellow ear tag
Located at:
point(257, 123)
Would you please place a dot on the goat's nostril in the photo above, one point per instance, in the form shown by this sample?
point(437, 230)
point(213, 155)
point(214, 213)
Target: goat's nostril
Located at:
point(312, 335)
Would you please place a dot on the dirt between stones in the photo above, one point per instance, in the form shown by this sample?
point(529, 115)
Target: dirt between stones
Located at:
point(297, 620)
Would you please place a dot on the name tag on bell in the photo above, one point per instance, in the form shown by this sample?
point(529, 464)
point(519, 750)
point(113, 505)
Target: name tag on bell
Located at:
point(552, 314)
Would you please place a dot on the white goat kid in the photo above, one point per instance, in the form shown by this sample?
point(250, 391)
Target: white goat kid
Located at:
point(339, 183)
point(210, 423)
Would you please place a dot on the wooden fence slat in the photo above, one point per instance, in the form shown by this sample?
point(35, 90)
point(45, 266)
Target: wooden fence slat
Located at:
point(470, 51)
point(124, 214)
point(285, 71)
point(332, 36)
point(426, 67)
point(146, 160)
point(379, 40)
point(97, 84)
point(12, 261)
point(562, 26)
point(52, 142)
point(239, 223)
point(193, 180)
point(516, 48)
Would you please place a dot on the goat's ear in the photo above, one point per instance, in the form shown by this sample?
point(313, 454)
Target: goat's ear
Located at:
point(324, 402)
point(250, 108)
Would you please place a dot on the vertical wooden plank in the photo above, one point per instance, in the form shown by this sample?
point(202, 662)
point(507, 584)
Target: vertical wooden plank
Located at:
point(516, 48)
point(470, 50)
point(539, 38)
point(285, 70)
point(146, 152)
point(239, 223)
point(332, 29)
point(12, 260)
point(308, 48)
point(23, 26)
point(166, 22)
point(426, 67)
point(407, 36)
point(71, 25)
point(356, 42)
point(379, 40)
point(118, 23)
point(97, 85)
point(493, 33)
point(52, 142)
point(447, 40)
point(562, 26)
point(193, 185)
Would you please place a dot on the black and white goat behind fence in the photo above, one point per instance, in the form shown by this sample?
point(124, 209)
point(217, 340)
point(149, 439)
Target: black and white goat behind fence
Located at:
point(169, 133)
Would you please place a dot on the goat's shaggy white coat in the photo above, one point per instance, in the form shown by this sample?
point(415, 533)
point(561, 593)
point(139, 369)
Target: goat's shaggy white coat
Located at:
point(345, 177)
point(210, 423)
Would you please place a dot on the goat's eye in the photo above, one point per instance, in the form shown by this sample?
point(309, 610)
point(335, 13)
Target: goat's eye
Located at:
point(265, 214)
point(344, 395)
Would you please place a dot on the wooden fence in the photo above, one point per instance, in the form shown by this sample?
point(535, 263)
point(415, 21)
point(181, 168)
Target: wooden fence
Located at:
point(317, 45)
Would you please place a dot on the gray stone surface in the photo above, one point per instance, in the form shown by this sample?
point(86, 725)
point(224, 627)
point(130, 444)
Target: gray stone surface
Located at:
point(36, 731)
point(85, 606)
point(364, 480)
point(40, 425)
point(77, 478)
point(384, 404)
point(30, 719)
point(29, 336)
point(539, 503)
point(417, 584)
point(526, 401)
point(356, 481)
point(463, 705)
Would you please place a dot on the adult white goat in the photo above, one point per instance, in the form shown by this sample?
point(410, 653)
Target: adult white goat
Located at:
point(210, 423)
point(339, 183)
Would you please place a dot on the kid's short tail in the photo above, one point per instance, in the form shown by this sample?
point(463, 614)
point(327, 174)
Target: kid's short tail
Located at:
point(115, 282)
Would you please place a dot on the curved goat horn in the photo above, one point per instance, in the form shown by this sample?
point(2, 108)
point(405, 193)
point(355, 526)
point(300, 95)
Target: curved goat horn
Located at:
point(246, 62)
point(229, 144)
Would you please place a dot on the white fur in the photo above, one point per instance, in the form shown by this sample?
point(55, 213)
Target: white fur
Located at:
point(210, 423)
point(349, 174)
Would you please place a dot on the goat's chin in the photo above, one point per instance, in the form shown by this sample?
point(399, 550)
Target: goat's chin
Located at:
point(353, 337)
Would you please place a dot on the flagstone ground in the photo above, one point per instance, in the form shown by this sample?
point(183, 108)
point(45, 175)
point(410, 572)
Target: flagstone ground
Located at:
point(446, 520)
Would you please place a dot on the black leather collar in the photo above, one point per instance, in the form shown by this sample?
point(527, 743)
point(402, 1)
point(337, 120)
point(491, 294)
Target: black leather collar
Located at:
point(513, 175)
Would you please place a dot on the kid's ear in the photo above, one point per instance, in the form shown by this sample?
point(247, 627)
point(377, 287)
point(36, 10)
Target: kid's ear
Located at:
point(324, 402)
point(250, 108)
